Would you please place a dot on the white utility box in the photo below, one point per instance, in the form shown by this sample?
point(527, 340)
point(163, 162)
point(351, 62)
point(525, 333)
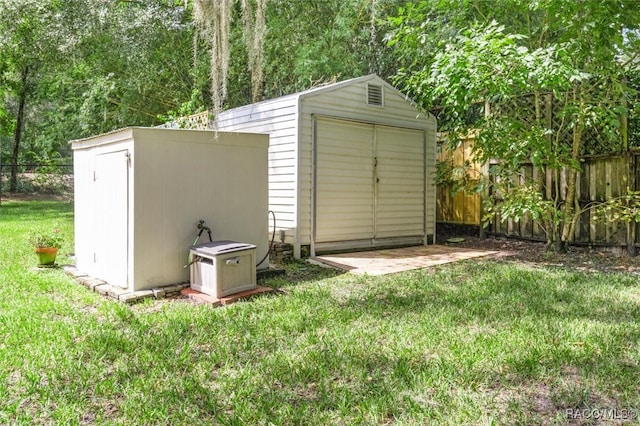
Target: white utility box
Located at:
point(139, 193)
point(221, 268)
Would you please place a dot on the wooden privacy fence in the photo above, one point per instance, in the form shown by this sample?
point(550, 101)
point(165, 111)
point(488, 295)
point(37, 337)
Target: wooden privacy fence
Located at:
point(460, 208)
point(601, 178)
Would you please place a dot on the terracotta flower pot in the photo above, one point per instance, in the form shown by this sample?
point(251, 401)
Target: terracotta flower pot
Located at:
point(46, 255)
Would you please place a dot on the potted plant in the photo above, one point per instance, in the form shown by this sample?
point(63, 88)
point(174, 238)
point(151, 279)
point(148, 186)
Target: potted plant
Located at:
point(47, 243)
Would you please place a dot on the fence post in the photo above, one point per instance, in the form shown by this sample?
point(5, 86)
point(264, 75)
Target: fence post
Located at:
point(631, 169)
point(631, 183)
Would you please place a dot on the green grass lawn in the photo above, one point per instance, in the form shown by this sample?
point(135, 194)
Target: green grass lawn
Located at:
point(480, 342)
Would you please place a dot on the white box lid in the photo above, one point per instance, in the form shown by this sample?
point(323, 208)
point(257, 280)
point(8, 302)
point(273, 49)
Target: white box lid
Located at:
point(215, 248)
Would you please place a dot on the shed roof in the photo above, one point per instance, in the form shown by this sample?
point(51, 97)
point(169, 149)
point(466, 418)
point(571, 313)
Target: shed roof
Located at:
point(295, 97)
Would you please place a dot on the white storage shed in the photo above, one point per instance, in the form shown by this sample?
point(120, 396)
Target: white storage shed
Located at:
point(140, 192)
point(350, 165)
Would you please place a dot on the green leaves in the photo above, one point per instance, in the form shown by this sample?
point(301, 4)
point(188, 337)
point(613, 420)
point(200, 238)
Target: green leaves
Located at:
point(625, 208)
point(94, 66)
point(461, 178)
point(518, 202)
point(549, 77)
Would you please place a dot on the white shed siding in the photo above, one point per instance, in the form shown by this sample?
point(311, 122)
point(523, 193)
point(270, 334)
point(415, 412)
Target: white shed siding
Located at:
point(349, 102)
point(278, 118)
point(369, 185)
point(344, 181)
point(290, 122)
point(88, 222)
point(400, 183)
point(221, 189)
point(111, 179)
point(430, 158)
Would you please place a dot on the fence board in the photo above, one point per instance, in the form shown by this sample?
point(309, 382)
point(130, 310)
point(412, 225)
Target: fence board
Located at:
point(601, 178)
point(460, 208)
point(536, 229)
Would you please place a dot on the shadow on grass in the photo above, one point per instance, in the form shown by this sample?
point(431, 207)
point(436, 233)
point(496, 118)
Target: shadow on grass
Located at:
point(498, 291)
point(297, 272)
point(311, 357)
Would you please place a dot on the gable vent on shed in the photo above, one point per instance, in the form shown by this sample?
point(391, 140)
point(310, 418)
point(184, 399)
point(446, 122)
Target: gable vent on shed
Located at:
point(375, 95)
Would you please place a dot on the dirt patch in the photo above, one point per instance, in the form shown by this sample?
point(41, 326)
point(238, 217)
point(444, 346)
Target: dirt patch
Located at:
point(531, 252)
point(566, 399)
point(17, 196)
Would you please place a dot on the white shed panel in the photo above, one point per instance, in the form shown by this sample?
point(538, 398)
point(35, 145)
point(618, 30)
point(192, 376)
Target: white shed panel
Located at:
point(139, 193)
point(350, 165)
point(278, 118)
point(344, 192)
point(111, 179)
point(371, 191)
point(400, 182)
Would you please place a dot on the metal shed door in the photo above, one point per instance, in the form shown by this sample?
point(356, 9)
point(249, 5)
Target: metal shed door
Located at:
point(344, 181)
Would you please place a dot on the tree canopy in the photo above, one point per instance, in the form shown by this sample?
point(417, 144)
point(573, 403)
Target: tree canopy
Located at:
point(82, 67)
point(543, 81)
point(69, 69)
point(548, 78)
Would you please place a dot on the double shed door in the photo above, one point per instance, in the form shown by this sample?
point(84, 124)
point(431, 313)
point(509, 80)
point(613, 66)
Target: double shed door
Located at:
point(369, 182)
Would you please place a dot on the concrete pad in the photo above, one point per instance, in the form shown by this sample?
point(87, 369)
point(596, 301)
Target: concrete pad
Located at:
point(226, 300)
point(389, 261)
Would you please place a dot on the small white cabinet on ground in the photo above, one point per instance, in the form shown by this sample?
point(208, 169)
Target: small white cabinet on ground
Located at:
point(221, 268)
point(139, 193)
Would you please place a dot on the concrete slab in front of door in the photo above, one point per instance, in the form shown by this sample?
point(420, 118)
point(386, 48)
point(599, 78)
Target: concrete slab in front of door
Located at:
point(388, 261)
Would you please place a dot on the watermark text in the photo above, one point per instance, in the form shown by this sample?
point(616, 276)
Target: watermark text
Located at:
point(602, 413)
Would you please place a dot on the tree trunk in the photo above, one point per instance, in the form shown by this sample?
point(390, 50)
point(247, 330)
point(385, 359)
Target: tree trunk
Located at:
point(569, 207)
point(542, 169)
point(24, 78)
point(631, 238)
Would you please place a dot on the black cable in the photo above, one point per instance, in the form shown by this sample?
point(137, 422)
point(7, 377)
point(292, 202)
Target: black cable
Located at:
point(273, 237)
